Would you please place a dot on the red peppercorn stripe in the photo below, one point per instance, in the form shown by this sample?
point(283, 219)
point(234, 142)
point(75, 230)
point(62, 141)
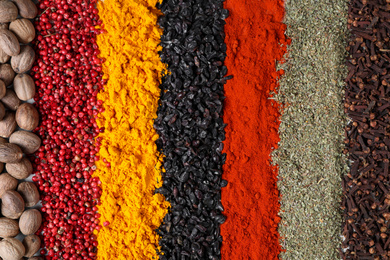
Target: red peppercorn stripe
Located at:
point(68, 74)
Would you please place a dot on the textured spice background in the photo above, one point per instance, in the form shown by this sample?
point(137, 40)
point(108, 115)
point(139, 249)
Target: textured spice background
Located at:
point(311, 130)
point(254, 35)
point(130, 100)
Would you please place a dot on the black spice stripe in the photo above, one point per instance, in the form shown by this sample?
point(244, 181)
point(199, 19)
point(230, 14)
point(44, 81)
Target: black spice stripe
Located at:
point(191, 127)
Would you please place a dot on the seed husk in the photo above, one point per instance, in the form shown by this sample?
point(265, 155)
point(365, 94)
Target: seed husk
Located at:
point(8, 227)
point(23, 61)
point(27, 117)
point(29, 193)
point(20, 170)
point(32, 244)
point(24, 87)
point(7, 182)
point(7, 74)
point(10, 153)
point(30, 221)
point(12, 205)
point(8, 42)
point(7, 125)
point(23, 29)
point(27, 141)
point(11, 100)
point(11, 249)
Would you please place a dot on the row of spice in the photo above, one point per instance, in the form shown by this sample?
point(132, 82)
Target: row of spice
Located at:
point(17, 119)
point(68, 76)
point(366, 187)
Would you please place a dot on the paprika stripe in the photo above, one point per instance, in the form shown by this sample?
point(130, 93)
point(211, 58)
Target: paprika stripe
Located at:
point(129, 164)
point(67, 74)
point(254, 33)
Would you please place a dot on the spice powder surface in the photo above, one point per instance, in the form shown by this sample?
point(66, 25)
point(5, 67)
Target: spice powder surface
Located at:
point(130, 98)
point(254, 35)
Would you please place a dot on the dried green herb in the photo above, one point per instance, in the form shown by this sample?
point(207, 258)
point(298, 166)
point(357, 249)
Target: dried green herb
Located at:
point(309, 155)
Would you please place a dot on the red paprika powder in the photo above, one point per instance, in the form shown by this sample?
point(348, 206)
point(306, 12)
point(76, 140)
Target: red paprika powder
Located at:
point(254, 32)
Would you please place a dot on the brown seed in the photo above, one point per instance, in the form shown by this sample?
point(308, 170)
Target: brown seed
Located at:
point(30, 221)
point(27, 117)
point(11, 100)
point(27, 9)
point(12, 205)
point(8, 42)
point(23, 62)
point(7, 182)
point(32, 243)
point(8, 124)
point(10, 153)
point(23, 30)
point(20, 170)
point(24, 87)
point(7, 74)
point(11, 249)
point(27, 141)
point(8, 227)
point(29, 193)
point(8, 12)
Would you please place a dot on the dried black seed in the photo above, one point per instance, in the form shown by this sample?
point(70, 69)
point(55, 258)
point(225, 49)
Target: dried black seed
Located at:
point(190, 127)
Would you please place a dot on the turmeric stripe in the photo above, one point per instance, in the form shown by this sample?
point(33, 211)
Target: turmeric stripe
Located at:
point(129, 166)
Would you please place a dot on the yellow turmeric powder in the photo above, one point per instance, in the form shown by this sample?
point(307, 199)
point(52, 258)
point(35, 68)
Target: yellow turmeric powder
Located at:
point(130, 99)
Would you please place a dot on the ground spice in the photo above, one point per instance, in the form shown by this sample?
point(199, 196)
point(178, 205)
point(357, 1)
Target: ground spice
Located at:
point(309, 153)
point(254, 33)
point(130, 209)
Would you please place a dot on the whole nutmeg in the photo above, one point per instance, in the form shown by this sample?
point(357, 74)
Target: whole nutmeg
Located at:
point(35, 258)
point(22, 62)
point(27, 9)
point(8, 227)
point(8, 12)
point(32, 243)
point(10, 153)
point(27, 117)
point(20, 170)
point(27, 141)
point(8, 124)
point(24, 87)
point(29, 193)
point(12, 205)
point(7, 182)
point(8, 42)
point(7, 74)
point(3, 141)
point(11, 249)
point(23, 29)
point(30, 221)
point(11, 100)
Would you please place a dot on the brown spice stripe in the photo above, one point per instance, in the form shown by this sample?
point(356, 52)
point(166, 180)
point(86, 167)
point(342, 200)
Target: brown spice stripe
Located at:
point(366, 196)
